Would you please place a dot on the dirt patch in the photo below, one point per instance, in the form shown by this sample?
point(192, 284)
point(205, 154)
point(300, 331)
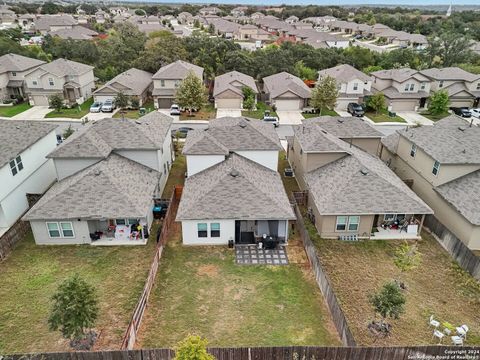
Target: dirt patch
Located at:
point(208, 270)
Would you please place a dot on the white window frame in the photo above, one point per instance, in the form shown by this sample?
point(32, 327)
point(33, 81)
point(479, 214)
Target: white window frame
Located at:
point(413, 151)
point(124, 220)
point(342, 224)
point(355, 86)
point(177, 83)
point(58, 229)
point(51, 82)
point(440, 84)
point(198, 230)
point(14, 73)
point(34, 82)
point(62, 230)
point(350, 223)
point(219, 230)
point(407, 86)
point(162, 83)
point(436, 168)
point(389, 217)
point(412, 87)
point(423, 85)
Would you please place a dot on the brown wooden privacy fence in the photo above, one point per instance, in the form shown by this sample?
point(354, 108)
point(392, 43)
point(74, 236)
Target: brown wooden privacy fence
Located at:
point(324, 284)
point(455, 247)
point(130, 337)
point(275, 353)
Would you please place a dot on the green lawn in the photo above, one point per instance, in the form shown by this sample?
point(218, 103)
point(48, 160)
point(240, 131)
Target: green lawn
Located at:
point(383, 116)
point(31, 274)
point(177, 173)
point(9, 111)
point(206, 113)
point(73, 113)
point(258, 114)
point(200, 290)
point(135, 114)
point(435, 117)
point(324, 112)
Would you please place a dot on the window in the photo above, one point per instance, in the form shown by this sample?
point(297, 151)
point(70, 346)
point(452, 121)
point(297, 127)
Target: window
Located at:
point(341, 223)
point(440, 84)
point(478, 86)
point(202, 230)
point(34, 82)
point(53, 230)
point(67, 229)
point(389, 217)
point(407, 86)
point(436, 168)
point(16, 165)
point(413, 150)
point(162, 83)
point(355, 86)
point(120, 222)
point(412, 87)
point(177, 83)
point(353, 222)
point(132, 221)
point(50, 81)
point(165, 169)
point(14, 73)
point(422, 86)
point(215, 230)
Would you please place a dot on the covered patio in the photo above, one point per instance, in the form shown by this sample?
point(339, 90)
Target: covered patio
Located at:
point(113, 232)
point(397, 226)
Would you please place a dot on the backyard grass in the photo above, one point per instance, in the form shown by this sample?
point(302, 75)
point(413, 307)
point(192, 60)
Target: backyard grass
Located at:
point(437, 287)
point(289, 183)
point(76, 112)
point(258, 114)
point(177, 172)
point(135, 114)
point(324, 112)
point(383, 116)
point(200, 290)
point(31, 274)
point(206, 113)
point(9, 111)
point(435, 117)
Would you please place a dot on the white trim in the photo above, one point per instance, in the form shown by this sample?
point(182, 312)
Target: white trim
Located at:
point(61, 229)
point(58, 229)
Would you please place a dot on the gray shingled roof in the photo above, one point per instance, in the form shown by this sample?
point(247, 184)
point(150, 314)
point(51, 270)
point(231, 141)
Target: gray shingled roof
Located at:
point(99, 139)
point(393, 93)
point(450, 73)
point(361, 184)
point(224, 82)
point(344, 73)
point(230, 134)
point(177, 70)
point(345, 127)
point(75, 33)
point(17, 135)
point(136, 81)
point(391, 142)
point(112, 188)
point(63, 67)
point(399, 75)
point(14, 62)
point(449, 141)
point(44, 22)
point(280, 83)
point(463, 195)
point(236, 188)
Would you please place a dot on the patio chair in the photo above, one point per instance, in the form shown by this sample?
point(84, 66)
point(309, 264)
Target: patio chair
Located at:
point(447, 331)
point(462, 331)
point(457, 340)
point(438, 334)
point(433, 322)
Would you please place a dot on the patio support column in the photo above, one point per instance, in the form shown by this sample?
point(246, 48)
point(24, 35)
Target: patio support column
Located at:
point(421, 225)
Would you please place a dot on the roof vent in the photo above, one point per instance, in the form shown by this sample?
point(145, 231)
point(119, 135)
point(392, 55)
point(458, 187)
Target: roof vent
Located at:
point(97, 172)
point(234, 173)
point(464, 151)
point(364, 171)
point(242, 125)
point(340, 120)
point(138, 122)
point(461, 128)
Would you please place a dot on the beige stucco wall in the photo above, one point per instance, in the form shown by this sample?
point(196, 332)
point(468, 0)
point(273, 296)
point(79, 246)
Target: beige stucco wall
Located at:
point(369, 145)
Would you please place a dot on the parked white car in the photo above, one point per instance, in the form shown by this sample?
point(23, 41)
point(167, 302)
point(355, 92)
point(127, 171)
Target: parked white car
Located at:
point(475, 113)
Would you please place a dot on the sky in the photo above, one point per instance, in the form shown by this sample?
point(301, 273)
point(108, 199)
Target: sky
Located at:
point(326, 2)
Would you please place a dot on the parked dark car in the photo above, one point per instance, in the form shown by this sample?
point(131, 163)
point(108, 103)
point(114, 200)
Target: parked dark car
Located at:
point(461, 111)
point(181, 132)
point(355, 109)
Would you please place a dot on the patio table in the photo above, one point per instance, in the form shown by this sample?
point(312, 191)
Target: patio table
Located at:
point(122, 232)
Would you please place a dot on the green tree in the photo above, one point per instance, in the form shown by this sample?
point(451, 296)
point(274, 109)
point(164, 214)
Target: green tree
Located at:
point(325, 94)
point(388, 302)
point(376, 102)
point(192, 348)
point(211, 29)
point(407, 257)
point(135, 102)
point(438, 102)
point(75, 308)
point(248, 98)
point(56, 102)
point(304, 72)
point(191, 93)
point(450, 48)
point(122, 101)
point(68, 132)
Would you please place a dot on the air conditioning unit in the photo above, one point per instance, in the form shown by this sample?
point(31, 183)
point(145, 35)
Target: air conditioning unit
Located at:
point(288, 172)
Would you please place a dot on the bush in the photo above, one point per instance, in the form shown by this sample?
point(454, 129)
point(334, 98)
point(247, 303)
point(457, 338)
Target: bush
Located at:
point(135, 103)
point(192, 348)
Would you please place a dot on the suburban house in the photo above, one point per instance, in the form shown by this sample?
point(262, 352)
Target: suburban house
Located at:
point(239, 11)
point(251, 32)
point(71, 79)
point(442, 164)
point(133, 83)
point(185, 18)
point(353, 85)
point(77, 32)
point(286, 91)
point(228, 90)
point(233, 192)
point(404, 89)
point(109, 174)
point(7, 17)
point(209, 10)
point(463, 87)
point(13, 68)
point(26, 22)
point(168, 78)
point(24, 168)
point(47, 23)
point(351, 193)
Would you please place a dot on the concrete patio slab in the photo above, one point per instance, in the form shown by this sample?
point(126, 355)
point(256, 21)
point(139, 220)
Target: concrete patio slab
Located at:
point(252, 255)
point(228, 113)
point(290, 117)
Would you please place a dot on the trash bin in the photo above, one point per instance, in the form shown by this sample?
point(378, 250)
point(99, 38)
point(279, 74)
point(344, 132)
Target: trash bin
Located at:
point(142, 111)
point(230, 244)
point(392, 114)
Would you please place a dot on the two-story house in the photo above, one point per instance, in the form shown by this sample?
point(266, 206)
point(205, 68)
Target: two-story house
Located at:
point(168, 78)
point(47, 23)
point(463, 88)
point(228, 90)
point(351, 192)
point(134, 83)
point(13, 68)
point(72, 80)
point(286, 92)
point(404, 89)
point(353, 85)
point(109, 174)
point(24, 168)
point(442, 163)
point(233, 191)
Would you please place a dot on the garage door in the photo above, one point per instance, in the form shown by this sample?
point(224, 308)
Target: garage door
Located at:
point(40, 100)
point(165, 103)
point(103, 98)
point(404, 105)
point(286, 105)
point(460, 103)
point(229, 103)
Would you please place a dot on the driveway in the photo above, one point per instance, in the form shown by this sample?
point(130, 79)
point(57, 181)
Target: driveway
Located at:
point(100, 115)
point(414, 118)
point(290, 117)
point(345, 113)
point(228, 113)
point(34, 113)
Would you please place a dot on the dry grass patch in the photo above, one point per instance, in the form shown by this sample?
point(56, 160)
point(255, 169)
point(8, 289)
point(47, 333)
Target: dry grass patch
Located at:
point(438, 286)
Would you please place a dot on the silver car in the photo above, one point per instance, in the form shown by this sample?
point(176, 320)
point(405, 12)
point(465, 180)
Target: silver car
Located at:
point(108, 106)
point(96, 107)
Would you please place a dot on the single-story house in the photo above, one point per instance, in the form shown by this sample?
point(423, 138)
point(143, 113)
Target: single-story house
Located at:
point(228, 90)
point(286, 92)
